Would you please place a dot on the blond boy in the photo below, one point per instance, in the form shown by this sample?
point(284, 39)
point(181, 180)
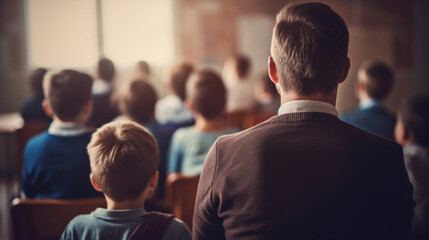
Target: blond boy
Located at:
point(123, 158)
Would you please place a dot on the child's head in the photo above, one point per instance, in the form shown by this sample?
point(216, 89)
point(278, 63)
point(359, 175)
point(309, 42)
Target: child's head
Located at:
point(68, 95)
point(137, 101)
point(123, 157)
point(36, 81)
point(177, 78)
point(412, 126)
point(106, 69)
point(237, 67)
point(206, 94)
point(375, 79)
point(268, 87)
point(142, 69)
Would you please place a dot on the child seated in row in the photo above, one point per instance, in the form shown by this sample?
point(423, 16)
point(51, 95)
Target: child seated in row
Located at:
point(103, 110)
point(171, 111)
point(412, 132)
point(32, 107)
point(267, 95)
point(240, 93)
point(137, 99)
point(56, 164)
point(206, 98)
point(123, 159)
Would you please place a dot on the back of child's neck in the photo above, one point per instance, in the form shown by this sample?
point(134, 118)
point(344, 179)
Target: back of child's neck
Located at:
point(208, 125)
point(126, 204)
point(76, 121)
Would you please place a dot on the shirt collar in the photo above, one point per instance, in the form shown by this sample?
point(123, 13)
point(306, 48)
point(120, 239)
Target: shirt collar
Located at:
point(368, 103)
point(100, 87)
point(68, 129)
point(307, 106)
point(124, 214)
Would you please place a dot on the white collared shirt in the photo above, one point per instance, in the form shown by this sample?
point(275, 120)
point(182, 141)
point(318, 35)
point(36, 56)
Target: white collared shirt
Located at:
point(369, 103)
point(307, 106)
point(171, 109)
point(100, 87)
point(67, 129)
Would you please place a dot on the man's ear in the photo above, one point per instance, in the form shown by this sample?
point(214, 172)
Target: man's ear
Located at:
point(272, 70)
point(345, 71)
point(46, 108)
point(94, 184)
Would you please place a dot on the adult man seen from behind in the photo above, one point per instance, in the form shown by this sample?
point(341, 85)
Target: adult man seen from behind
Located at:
point(305, 174)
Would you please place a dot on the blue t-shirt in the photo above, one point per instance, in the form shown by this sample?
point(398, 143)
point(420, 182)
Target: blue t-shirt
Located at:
point(57, 167)
point(189, 147)
point(117, 224)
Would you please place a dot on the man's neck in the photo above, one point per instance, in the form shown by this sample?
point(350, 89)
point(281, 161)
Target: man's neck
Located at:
point(292, 96)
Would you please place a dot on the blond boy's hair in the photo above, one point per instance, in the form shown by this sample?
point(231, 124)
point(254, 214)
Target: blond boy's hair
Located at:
point(123, 157)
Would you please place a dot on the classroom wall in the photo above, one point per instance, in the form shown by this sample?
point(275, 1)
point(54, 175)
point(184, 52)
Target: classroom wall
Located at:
point(383, 29)
point(395, 31)
point(13, 85)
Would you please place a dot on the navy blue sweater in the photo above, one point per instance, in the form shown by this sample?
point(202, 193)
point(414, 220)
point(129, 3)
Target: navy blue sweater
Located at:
point(57, 167)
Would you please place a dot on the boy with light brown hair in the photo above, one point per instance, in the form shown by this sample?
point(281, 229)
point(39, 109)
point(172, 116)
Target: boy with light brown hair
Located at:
point(123, 157)
point(206, 98)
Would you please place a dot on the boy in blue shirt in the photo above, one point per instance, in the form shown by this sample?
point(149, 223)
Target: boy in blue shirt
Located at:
point(56, 164)
point(374, 83)
point(206, 98)
point(32, 107)
point(123, 158)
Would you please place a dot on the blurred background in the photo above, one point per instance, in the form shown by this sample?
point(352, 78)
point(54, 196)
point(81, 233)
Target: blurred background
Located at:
point(74, 34)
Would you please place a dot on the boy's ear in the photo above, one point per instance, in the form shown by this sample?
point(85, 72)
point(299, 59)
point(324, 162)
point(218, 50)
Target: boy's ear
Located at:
point(94, 184)
point(153, 181)
point(189, 105)
point(88, 106)
point(46, 108)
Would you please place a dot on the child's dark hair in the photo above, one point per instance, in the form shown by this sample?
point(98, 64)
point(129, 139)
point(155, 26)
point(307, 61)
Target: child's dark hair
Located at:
point(268, 85)
point(36, 81)
point(377, 78)
point(414, 114)
point(67, 92)
point(242, 65)
point(207, 93)
point(137, 101)
point(106, 69)
point(177, 78)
